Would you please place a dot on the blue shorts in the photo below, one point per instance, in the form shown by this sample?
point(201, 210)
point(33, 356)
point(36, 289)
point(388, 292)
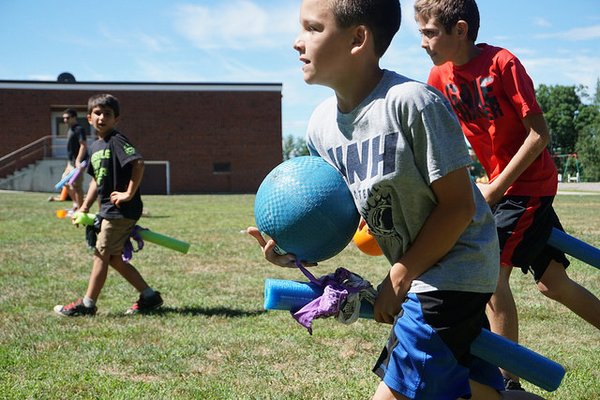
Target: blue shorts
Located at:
point(428, 353)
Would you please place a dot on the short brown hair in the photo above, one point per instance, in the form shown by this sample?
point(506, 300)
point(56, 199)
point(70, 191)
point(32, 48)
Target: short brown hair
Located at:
point(382, 17)
point(104, 100)
point(449, 12)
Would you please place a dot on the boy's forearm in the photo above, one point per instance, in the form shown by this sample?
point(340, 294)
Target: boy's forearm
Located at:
point(535, 142)
point(443, 227)
point(437, 237)
point(90, 197)
point(137, 173)
point(81, 153)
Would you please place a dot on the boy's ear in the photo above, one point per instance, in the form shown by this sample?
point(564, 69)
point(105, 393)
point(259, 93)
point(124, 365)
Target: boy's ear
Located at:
point(462, 28)
point(360, 38)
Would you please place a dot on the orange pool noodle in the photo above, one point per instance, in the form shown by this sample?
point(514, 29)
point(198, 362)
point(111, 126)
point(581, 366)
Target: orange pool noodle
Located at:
point(366, 242)
point(64, 193)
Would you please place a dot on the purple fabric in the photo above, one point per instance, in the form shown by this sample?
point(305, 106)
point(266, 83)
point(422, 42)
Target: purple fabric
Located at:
point(338, 278)
point(326, 305)
point(128, 249)
point(335, 292)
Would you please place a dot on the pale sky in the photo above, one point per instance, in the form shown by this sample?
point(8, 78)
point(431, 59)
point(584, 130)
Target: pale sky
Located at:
point(242, 41)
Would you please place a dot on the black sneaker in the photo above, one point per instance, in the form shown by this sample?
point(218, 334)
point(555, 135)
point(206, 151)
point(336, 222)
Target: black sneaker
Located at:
point(144, 305)
point(75, 309)
point(509, 384)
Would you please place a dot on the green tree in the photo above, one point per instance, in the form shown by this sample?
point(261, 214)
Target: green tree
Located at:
point(588, 150)
point(588, 144)
point(294, 147)
point(561, 106)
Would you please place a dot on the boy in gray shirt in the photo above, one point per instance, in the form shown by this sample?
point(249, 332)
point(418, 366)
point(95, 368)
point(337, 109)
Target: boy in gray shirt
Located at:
point(402, 153)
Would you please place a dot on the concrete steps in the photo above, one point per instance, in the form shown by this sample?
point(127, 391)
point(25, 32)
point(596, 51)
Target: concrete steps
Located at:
point(38, 177)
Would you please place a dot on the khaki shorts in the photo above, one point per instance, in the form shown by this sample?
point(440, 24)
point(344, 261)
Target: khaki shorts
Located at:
point(113, 234)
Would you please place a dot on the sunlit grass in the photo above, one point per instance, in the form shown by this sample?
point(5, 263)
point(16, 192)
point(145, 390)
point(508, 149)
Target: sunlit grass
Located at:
point(212, 339)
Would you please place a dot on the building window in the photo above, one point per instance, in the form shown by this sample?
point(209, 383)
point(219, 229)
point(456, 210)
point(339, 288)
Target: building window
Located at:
point(60, 129)
point(221, 168)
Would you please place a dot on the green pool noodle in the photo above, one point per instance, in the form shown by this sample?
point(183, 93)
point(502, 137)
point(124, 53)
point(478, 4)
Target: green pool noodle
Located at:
point(164, 241)
point(145, 234)
point(81, 218)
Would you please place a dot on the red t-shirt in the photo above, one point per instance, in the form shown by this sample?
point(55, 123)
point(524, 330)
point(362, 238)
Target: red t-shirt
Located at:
point(491, 94)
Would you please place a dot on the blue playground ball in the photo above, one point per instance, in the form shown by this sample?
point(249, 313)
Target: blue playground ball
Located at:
point(306, 207)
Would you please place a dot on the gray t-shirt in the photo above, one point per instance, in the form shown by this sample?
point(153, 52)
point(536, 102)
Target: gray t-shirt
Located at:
point(399, 140)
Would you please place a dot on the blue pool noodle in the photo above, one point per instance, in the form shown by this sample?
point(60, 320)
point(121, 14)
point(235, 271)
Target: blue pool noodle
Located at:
point(575, 247)
point(67, 177)
point(535, 368)
point(64, 180)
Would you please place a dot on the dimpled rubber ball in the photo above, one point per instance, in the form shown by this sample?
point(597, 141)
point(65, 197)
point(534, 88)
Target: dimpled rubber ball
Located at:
point(366, 242)
point(306, 207)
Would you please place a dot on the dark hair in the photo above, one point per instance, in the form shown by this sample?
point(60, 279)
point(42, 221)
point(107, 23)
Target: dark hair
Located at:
point(104, 100)
point(449, 12)
point(71, 112)
point(382, 17)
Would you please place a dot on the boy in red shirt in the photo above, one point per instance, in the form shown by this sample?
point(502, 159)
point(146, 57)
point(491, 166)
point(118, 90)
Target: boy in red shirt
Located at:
point(494, 99)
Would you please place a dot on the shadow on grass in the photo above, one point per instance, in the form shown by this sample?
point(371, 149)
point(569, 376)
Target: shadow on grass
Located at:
point(202, 311)
point(152, 216)
point(209, 312)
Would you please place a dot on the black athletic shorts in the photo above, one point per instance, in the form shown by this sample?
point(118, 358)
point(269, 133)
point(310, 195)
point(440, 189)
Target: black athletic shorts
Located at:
point(524, 225)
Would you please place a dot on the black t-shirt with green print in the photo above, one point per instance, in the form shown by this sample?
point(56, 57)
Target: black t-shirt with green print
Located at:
point(110, 165)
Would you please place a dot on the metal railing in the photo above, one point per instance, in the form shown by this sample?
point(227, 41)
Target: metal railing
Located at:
point(26, 155)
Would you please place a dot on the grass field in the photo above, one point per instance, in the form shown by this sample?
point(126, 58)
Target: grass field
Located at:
point(212, 339)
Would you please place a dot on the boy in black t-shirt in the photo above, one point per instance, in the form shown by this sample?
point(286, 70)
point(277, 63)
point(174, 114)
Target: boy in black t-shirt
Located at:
point(117, 170)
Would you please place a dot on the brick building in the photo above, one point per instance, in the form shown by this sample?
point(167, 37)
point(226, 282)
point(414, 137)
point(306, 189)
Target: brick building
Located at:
point(195, 137)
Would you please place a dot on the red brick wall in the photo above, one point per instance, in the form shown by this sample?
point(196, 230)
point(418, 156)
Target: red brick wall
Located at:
point(190, 129)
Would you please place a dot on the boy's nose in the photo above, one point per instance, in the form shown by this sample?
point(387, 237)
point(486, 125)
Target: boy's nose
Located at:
point(298, 44)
